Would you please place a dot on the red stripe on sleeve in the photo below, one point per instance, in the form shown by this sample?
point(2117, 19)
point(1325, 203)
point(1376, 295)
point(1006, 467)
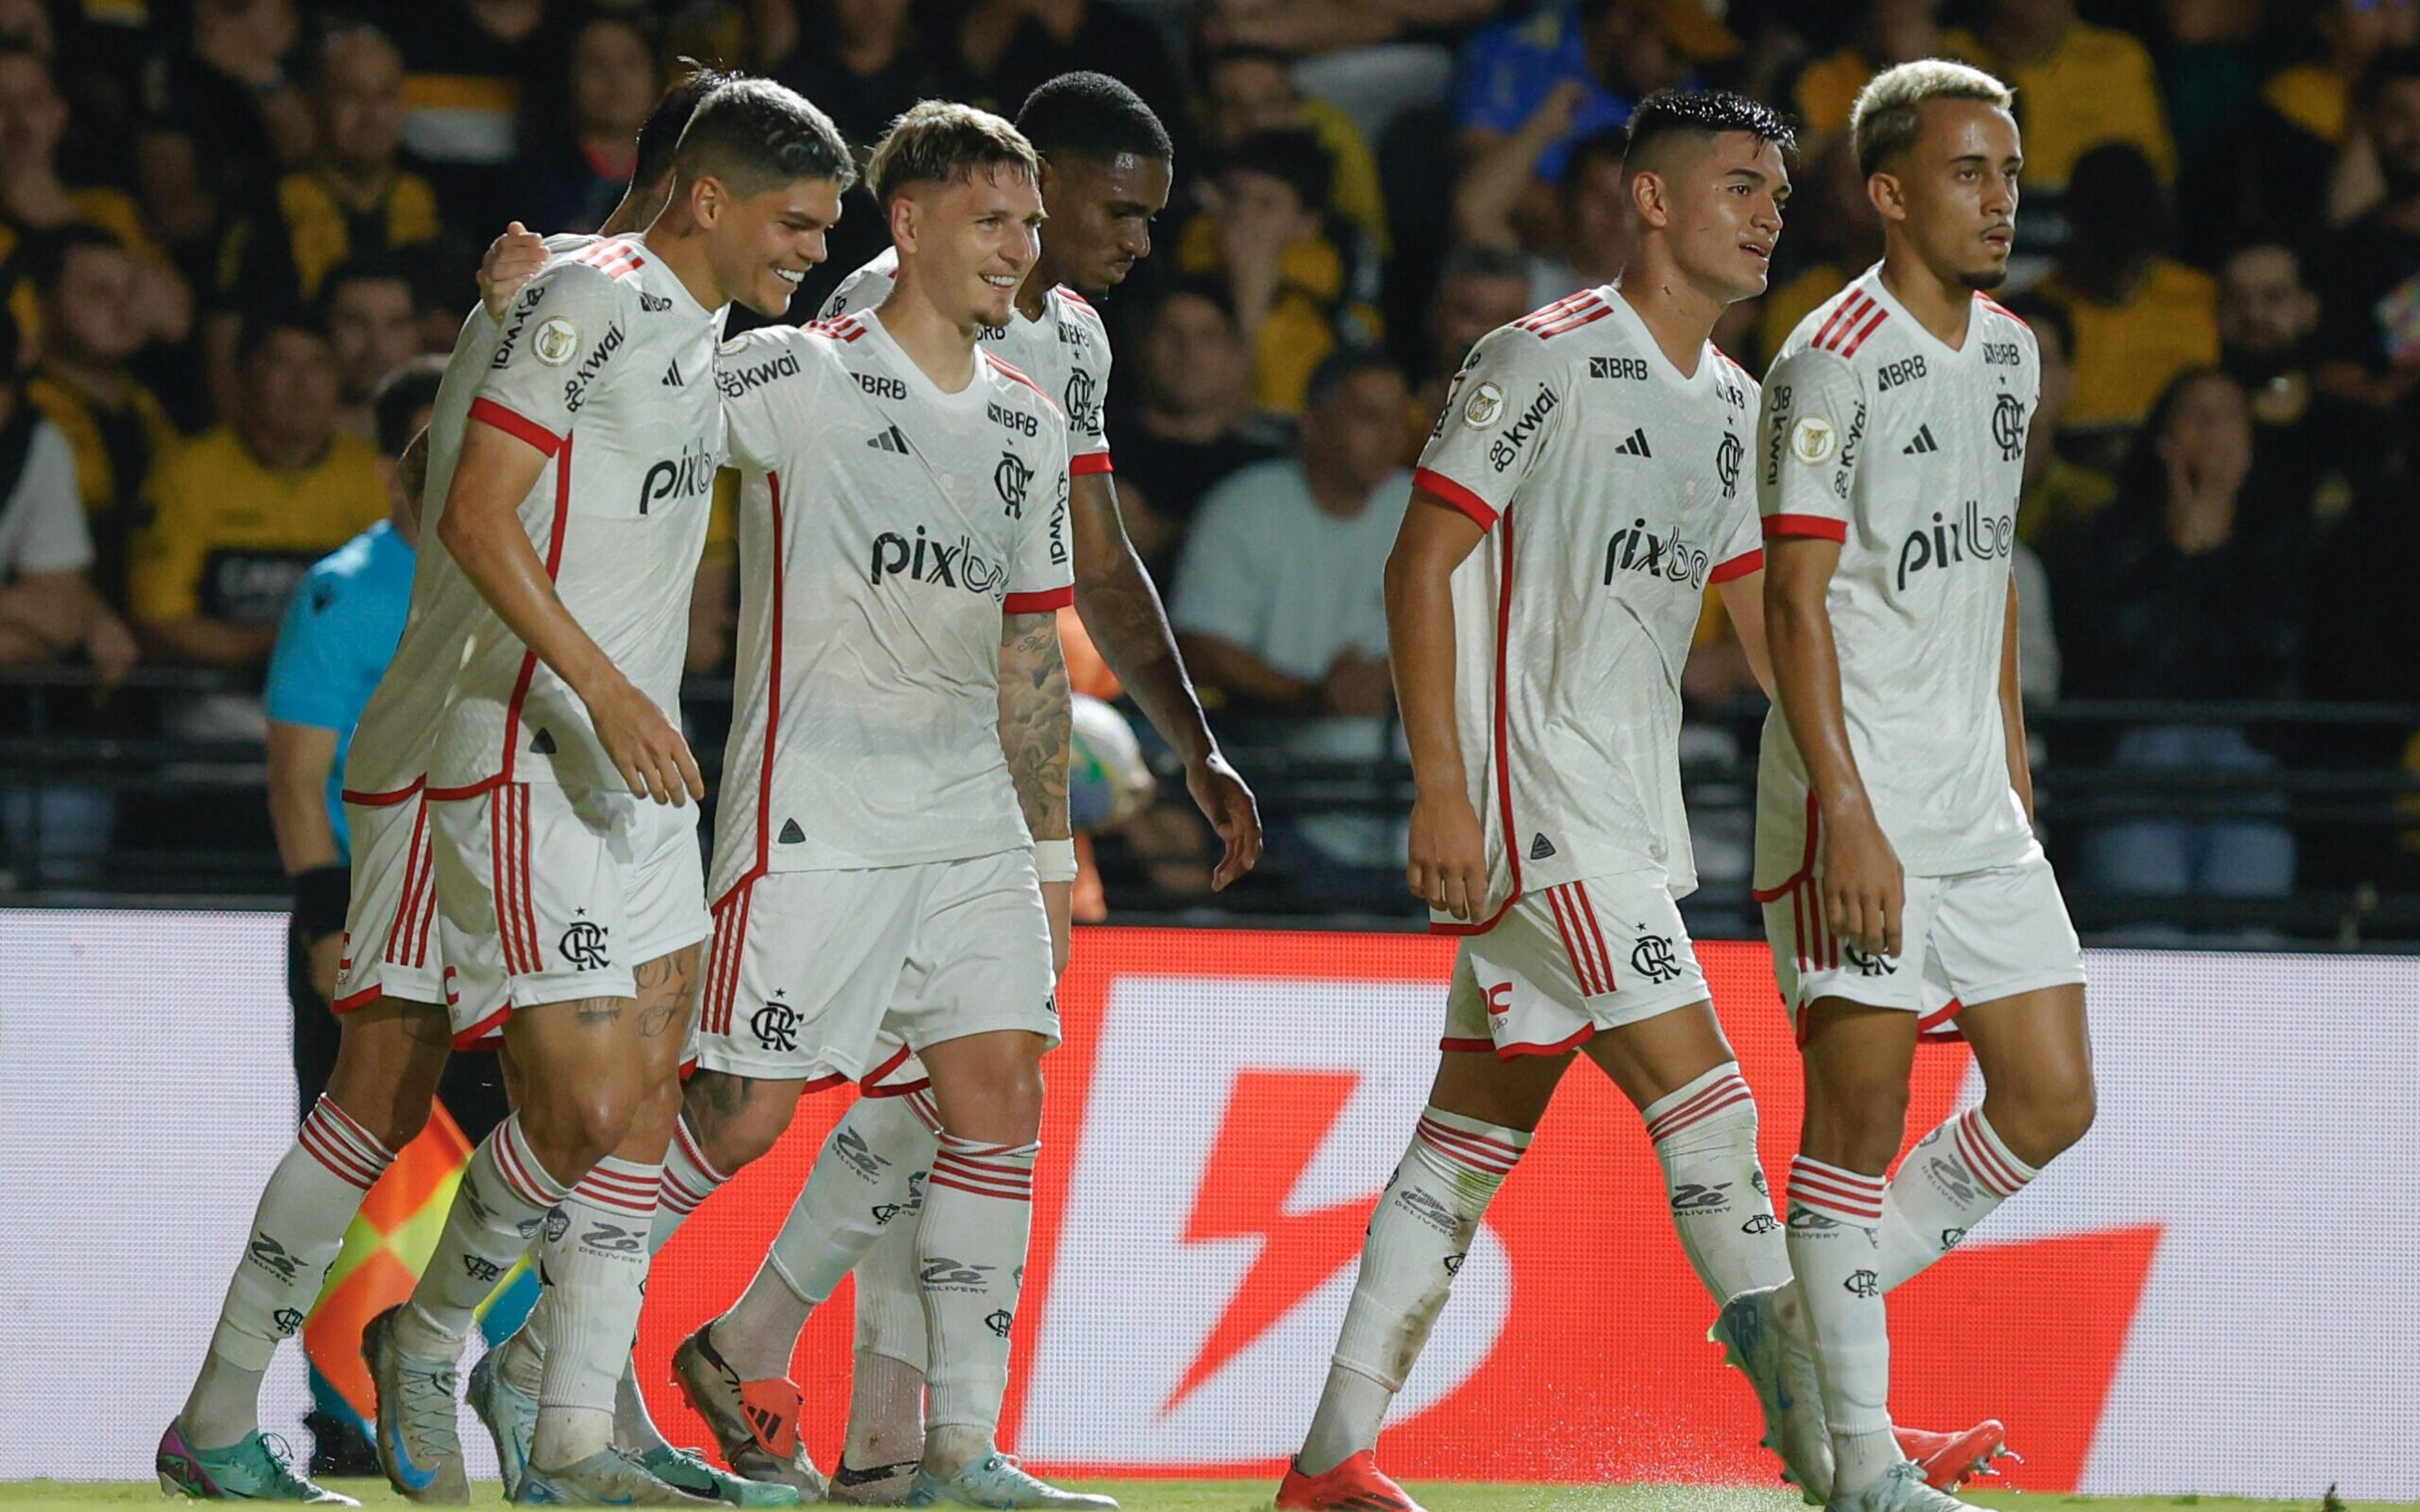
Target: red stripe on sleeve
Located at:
point(1818, 525)
point(517, 426)
point(1739, 567)
point(1455, 494)
point(1091, 462)
point(1042, 602)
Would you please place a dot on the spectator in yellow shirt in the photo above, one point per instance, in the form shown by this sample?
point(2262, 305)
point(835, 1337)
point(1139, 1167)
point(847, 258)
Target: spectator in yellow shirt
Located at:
point(2141, 317)
point(2078, 85)
point(116, 430)
point(244, 510)
point(1893, 31)
point(1251, 89)
point(1302, 284)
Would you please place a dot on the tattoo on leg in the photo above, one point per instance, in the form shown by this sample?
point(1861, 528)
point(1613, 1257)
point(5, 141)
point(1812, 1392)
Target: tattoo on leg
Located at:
point(713, 1099)
point(654, 1021)
point(593, 1011)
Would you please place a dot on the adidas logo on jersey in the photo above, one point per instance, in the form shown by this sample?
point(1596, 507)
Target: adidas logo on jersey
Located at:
point(542, 744)
point(891, 439)
point(673, 378)
point(1635, 446)
point(792, 835)
point(1923, 444)
point(1541, 847)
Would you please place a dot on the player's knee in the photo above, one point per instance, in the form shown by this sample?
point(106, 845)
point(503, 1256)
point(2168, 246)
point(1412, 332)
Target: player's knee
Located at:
point(1861, 1125)
point(2049, 1119)
point(572, 1130)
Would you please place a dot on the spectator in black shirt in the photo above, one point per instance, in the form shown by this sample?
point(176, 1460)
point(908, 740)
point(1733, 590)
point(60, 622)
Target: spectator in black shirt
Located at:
point(1009, 47)
point(2170, 592)
point(1193, 422)
point(2311, 452)
point(2368, 275)
point(610, 88)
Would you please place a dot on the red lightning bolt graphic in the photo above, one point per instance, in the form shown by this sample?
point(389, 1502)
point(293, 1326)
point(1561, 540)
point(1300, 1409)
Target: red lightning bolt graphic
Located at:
point(1276, 1121)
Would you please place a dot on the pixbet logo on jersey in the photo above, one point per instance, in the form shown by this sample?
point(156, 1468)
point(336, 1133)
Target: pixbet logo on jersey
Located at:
point(690, 475)
point(1974, 535)
point(1639, 549)
point(927, 561)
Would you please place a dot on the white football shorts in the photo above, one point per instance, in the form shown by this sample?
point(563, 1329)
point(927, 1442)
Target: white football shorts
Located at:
point(391, 944)
point(1566, 961)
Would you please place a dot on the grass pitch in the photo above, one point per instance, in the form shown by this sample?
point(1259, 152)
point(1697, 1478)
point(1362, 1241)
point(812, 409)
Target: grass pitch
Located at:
point(1247, 1496)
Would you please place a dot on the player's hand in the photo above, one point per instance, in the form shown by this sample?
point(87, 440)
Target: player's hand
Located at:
point(645, 748)
point(111, 646)
point(512, 260)
point(1449, 856)
point(1228, 804)
point(1864, 890)
point(1059, 901)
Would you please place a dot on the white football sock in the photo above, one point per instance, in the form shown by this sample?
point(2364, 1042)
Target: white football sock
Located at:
point(1834, 1215)
point(1950, 1181)
point(597, 1261)
point(1705, 1139)
point(885, 1413)
point(689, 1178)
point(1419, 1235)
point(971, 1263)
point(886, 1403)
point(503, 1202)
point(867, 1181)
point(297, 1230)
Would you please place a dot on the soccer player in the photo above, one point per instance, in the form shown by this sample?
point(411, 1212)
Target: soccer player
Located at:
point(1106, 165)
point(901, 752)
point(1582, 487)
point(566, 870)
point(1895, 857)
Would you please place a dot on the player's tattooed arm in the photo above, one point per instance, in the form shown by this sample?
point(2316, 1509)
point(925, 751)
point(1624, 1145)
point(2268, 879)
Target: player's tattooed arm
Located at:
point(1122, 608)
point(1036, 720)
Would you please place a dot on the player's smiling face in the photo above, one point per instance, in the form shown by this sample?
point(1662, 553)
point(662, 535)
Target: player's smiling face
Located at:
point(977, 240)
point(1958, 190)
point(1100, 216)
point(1726, 203)
point(765, 243)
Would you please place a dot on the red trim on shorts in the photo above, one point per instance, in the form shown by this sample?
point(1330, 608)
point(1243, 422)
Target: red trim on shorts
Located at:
point(1583, 967)
point(1040, 601)
point(1481, 513)
point(383, 800)
point(898, 1058)
point(1503, 747)
point(519, 427)
point(415, 878)
point(1738, 567)
point(909, 1091)
point(1820, 527)
point(359, 999)
point(1465, 1047)
point(1505, 1052)
point(1087, 464)
point(1806, 859)
point(1596, 934)
point(730, 939)
point(731, 910)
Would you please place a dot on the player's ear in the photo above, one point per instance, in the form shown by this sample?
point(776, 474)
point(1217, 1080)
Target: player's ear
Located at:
point(901, 212)
point(1887, 194)
point(1647, 198)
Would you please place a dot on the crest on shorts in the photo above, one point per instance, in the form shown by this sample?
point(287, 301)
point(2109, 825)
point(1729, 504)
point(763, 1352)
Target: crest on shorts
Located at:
point(556, 343)
point(1813, 440)
point(1486, 403)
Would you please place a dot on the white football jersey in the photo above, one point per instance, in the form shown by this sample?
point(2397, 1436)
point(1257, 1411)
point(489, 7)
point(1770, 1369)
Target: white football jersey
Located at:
point(886, 527)
point(1065, 352)
point(1611, 486)
point(607, 365)
point(1910, 454)
point(390, 750)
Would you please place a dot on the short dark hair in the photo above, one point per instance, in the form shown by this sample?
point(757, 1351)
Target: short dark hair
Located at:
point(46, 252)
point(2390, 66)
point(1471, 259)
point(661, 133)
point(942, 142)
point(1293, 156)
point(1705, 112)
point(1612, 146)
point(369, 267)
point(1091, 115)
point(2045, 313)
point(754, 135)
point(402, 395)
point(262, 323)
point(336, 35)
point(1339, 365)
point(1209, 290)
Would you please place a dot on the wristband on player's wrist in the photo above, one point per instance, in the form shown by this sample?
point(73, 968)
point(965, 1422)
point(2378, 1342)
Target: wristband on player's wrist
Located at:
point(320, 897)
point(1055, 859)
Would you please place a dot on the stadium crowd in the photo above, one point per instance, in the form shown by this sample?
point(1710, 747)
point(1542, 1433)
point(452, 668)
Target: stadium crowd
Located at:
point(223, 223)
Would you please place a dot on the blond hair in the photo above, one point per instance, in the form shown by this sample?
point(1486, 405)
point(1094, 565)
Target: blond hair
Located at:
point(940, 141)
point(1889, 111)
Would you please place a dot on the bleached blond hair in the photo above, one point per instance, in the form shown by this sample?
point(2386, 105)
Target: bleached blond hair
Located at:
point(1889, 111)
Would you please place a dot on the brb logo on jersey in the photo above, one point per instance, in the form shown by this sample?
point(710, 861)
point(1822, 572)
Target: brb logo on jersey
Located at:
point(1508, 446)
point(1670, 558)
point(1974, 535)
point(690, 475)
point(927, 561)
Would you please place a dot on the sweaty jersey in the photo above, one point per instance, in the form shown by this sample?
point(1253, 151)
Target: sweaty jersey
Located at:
point(886, 529)
point(1065, 352)
point(390, 749)
point(1609, 484)
point(1910, 454)
point(607, 365)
